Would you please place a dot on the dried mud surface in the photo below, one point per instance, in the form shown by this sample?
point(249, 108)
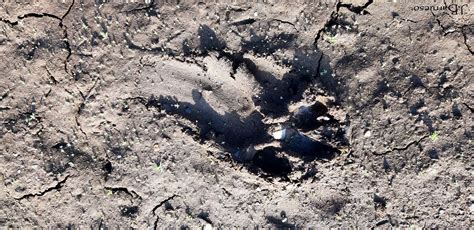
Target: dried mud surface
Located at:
point(153, 115)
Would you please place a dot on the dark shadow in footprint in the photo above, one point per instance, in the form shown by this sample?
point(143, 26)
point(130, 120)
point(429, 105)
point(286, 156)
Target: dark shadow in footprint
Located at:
point(265, 45)
point(309, 149)
point(229, 130)
point(276, 94)
point(271, 163)
point(208, 40)
point(279, 223)
point(235, 133)
point(305, 118)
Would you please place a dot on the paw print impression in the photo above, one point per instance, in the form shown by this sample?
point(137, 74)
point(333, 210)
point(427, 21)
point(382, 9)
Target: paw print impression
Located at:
point(272, 114)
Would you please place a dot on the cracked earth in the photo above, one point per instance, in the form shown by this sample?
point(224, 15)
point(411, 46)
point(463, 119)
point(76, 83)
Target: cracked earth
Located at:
point(197, 115)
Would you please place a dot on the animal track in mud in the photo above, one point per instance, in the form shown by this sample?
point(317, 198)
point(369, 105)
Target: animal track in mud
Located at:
point(240, 100)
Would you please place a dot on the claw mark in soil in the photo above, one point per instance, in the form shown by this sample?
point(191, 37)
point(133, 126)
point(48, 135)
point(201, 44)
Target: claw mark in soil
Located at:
point(57, 187)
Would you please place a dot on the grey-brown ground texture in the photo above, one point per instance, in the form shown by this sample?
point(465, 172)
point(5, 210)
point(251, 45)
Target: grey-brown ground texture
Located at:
point(156, 114)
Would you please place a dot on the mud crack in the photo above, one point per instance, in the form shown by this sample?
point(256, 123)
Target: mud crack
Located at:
point(401, 148)
point(284, 22)
point(247, 21)
point(57, 187)
point(125, 190)
point(85, 97)
point(147, 7)
point(55, 17)
point(469, 107)
point(335, 16)
point(66, 38)
point(471, 50)
point(463, 29)
point(155, 224)
point(163, 202)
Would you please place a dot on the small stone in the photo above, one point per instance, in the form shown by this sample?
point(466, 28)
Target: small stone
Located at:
point(323, 118)
point(368, 134)
point(207, 227)
point(279, 135)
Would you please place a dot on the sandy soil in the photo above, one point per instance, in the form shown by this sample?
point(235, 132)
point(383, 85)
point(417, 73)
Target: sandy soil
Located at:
point(200, 115)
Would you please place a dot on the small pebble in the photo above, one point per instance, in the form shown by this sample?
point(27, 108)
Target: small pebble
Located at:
point(367, 134)
point(207, 227)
